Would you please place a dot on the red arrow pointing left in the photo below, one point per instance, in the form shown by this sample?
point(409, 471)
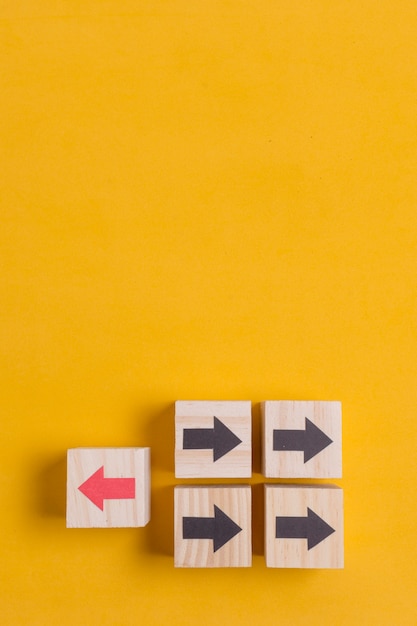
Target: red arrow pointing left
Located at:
point(97, 488)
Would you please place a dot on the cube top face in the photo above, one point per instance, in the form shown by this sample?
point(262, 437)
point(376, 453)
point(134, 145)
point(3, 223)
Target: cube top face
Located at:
point(212, 526)
point(304, 526)
point(302, 439)
point(108, 487)
point(213, 439)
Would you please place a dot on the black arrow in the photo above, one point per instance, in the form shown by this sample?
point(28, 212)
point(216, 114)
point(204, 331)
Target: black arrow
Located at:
point(219, 438)
point(313, 528)
point(311, 441)
point(220, 528)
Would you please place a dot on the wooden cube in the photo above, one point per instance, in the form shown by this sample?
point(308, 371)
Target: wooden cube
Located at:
point(108, 487)
point(213, 526)
point(213, 439)
point(304, 526)
point(302, 439)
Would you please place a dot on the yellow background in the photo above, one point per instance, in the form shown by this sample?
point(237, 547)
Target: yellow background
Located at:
point(205, 200)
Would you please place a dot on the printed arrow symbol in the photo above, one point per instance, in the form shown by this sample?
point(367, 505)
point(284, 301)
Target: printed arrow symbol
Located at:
point(311, 441)
point(313, 528)
point(97, 488)
point(219, 528)
point(219, 438)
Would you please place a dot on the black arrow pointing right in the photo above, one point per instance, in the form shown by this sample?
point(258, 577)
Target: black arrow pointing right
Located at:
point(219, 438)
point(219, 528)
point(313, 528)
point(311, 441)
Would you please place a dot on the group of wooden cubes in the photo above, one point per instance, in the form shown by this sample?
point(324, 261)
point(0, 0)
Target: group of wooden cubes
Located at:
point(110, 487)
point(303, 523)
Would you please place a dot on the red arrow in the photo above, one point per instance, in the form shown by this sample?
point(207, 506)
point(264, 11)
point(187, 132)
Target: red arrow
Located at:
point(97, 488)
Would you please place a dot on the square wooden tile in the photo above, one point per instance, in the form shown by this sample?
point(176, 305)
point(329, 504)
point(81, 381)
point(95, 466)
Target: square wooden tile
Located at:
point(213, 439)
point(301, 439)
point(108, 487)
point(213, 526)
point(304, 526)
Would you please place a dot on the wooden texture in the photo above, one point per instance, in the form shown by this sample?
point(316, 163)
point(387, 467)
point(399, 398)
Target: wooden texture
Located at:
point(200, 463)
point(199, 503)
point(283, 415)
point(125, 502)
point(291, 503)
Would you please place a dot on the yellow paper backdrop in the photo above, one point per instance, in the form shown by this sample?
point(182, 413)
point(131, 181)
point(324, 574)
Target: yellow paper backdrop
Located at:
point(205, 200)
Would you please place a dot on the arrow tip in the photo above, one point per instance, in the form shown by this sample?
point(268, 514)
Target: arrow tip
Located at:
point(315, 440)
point(92, 488)
point(318, 529)
point(224, 529)
point(224, 440)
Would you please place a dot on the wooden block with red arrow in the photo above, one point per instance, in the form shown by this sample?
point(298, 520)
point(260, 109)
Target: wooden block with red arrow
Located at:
point(108, 487)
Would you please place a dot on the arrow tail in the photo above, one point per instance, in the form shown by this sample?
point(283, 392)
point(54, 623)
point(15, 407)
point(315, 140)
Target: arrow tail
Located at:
point(292, 440)
point(198, 438)
point(291, 528)
point(198, 527)
point(119, 488)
